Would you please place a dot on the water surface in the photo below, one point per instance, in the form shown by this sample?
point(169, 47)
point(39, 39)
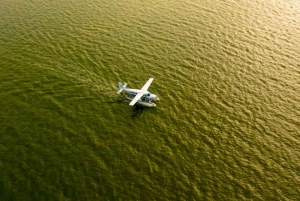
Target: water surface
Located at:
point(226, 126)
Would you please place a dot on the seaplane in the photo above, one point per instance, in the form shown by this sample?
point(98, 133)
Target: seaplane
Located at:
point(139, 96)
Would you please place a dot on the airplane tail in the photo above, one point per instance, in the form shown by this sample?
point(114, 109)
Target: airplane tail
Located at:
point(121, 87)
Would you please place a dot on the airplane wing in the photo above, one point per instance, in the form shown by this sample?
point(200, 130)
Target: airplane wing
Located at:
point(136, 98)
point(139, 95)
point(146, 86)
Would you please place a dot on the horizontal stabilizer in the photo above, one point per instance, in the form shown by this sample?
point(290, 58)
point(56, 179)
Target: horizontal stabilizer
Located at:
point(119, 91)
point(121, 87)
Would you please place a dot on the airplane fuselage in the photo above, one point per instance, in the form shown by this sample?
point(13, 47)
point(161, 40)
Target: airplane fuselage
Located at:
point(147, 94)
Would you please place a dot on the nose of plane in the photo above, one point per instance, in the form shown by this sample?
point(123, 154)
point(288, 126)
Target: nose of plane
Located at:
point(154, 97)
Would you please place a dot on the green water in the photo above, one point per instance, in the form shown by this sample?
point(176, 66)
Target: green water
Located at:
point(227, 124)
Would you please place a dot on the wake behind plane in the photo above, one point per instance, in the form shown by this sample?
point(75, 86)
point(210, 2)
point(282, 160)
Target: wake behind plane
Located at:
point(139, 96)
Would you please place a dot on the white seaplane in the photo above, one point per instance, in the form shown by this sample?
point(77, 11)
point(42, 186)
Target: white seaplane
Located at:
point(139, 96)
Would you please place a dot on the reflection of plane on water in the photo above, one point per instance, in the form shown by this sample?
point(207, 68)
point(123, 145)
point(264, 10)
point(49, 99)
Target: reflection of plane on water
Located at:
point(139, 96)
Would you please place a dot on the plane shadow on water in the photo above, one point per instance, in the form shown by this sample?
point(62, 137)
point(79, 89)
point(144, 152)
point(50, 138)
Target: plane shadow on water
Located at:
point(137, 109)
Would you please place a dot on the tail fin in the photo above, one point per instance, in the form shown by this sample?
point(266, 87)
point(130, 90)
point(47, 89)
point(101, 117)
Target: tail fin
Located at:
point(121, 87)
